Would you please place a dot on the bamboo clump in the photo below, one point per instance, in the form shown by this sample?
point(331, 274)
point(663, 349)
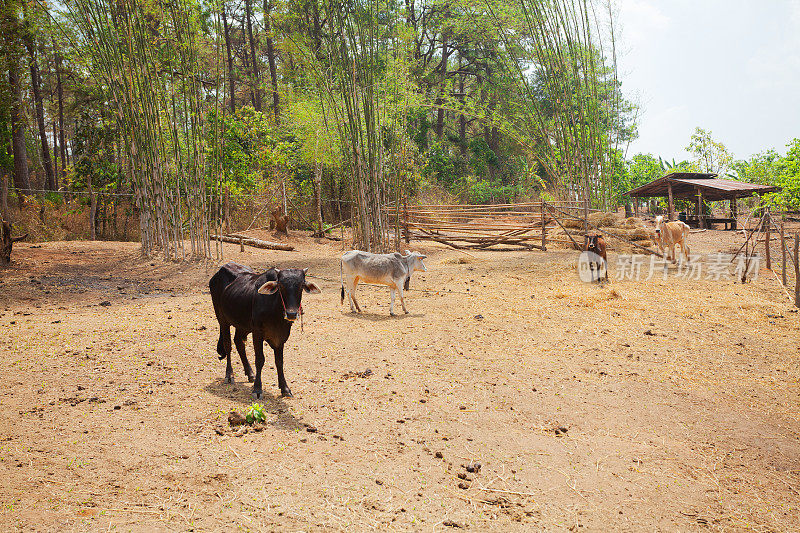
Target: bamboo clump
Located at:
point(151, 76)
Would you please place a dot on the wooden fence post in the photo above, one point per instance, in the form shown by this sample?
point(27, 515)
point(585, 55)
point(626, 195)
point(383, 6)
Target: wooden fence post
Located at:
point(671, 202)
point(701, 212)
point(544, 228)
point(796, 270)
point(783, 255)
point(406, 232)
point(768, 239)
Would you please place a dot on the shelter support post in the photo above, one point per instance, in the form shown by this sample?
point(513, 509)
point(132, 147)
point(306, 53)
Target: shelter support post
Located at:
point(700, 215)
point(671, 202)
point(734, 213)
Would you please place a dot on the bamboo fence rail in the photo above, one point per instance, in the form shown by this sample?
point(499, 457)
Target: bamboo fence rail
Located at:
point(482, 226)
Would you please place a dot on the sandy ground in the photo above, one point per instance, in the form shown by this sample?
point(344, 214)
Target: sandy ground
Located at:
point(639, 405)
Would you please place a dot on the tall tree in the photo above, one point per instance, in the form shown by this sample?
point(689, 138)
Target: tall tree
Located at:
point(255, 85)
point(36, 86)
point(11, 31)
point(442, 78)
point(231, 76)
point(709, 155)
point(18, 147)
point(273, 70)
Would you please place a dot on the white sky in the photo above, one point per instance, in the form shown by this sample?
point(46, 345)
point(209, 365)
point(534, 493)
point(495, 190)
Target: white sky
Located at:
point(728, 66)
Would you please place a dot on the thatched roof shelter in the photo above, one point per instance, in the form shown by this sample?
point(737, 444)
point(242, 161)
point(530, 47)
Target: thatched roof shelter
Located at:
point(698, 186)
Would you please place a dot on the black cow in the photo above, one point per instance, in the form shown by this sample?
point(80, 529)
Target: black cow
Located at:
point(262, 304)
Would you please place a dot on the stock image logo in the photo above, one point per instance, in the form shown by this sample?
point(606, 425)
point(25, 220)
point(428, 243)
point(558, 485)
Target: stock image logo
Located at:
point(637, 267)
point(592, 267)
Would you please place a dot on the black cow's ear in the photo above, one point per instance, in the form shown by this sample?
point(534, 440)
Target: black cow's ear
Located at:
point(311, 288)
point(269, 287)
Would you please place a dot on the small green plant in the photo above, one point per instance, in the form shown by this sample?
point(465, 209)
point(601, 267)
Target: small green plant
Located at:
point(255, 413)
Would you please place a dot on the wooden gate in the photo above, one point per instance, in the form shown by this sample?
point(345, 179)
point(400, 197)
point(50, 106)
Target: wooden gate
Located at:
point(481, 226)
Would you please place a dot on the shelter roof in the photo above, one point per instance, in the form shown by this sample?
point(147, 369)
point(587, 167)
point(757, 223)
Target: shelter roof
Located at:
point(686, 184)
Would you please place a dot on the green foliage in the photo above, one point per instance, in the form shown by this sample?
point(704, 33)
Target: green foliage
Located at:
point(762, 168)
point(788, 177)
point(440, 166)
point(709, 155)
point(255, 413)
point(474, 190)
point(643, 168)
point(770, 168)
point(250, 149)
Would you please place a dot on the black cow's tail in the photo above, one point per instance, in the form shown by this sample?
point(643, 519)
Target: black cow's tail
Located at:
point(221, 348)
point(341, 278)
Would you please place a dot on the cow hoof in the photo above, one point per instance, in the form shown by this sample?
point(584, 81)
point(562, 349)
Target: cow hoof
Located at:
point(406, 312)
point(251, 378)
point(257, 395)
point(286, 393)
point(392, 313)
point(229, 379)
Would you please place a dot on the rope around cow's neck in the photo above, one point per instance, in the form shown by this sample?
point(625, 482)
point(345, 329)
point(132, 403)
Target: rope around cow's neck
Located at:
point(285, 316)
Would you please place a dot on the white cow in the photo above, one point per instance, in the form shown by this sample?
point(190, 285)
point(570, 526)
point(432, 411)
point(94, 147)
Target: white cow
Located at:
point(392, 269)
point(668, 234)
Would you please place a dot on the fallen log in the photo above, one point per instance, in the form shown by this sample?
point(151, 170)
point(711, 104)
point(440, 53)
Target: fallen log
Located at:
point(255, 243)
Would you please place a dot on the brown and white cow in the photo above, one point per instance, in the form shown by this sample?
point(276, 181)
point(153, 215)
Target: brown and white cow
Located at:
point(670, 234)
point(597, 245)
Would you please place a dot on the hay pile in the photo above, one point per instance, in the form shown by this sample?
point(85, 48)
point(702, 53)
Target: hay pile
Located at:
point(632, 229)
point(603, 220)
point(599, 219)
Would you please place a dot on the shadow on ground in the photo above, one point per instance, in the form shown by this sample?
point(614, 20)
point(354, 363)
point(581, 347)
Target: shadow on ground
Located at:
point(241, 393)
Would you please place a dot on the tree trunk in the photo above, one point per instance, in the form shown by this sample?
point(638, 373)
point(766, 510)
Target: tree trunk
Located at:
point(7, 242)
point(55, 154)
point(19, 149)
point(61, 143)
point(273, 70)
point(253, 62)
point(318, 195)
point(442, 79)
point(462, 120)
point(47, 163)
point(92, 211)
point(231, 83)
point(4, 213)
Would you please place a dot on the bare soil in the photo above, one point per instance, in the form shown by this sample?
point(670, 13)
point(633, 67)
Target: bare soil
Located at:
point(637, 405)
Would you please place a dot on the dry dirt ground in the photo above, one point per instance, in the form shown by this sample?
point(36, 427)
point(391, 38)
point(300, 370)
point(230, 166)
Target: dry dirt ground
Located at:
point(636, 406)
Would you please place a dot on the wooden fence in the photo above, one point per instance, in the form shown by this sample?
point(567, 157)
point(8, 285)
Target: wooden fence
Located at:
point(777, 236)
point(523, 225)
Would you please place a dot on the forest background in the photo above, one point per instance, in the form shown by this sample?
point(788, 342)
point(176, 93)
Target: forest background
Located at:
point(168, 121)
